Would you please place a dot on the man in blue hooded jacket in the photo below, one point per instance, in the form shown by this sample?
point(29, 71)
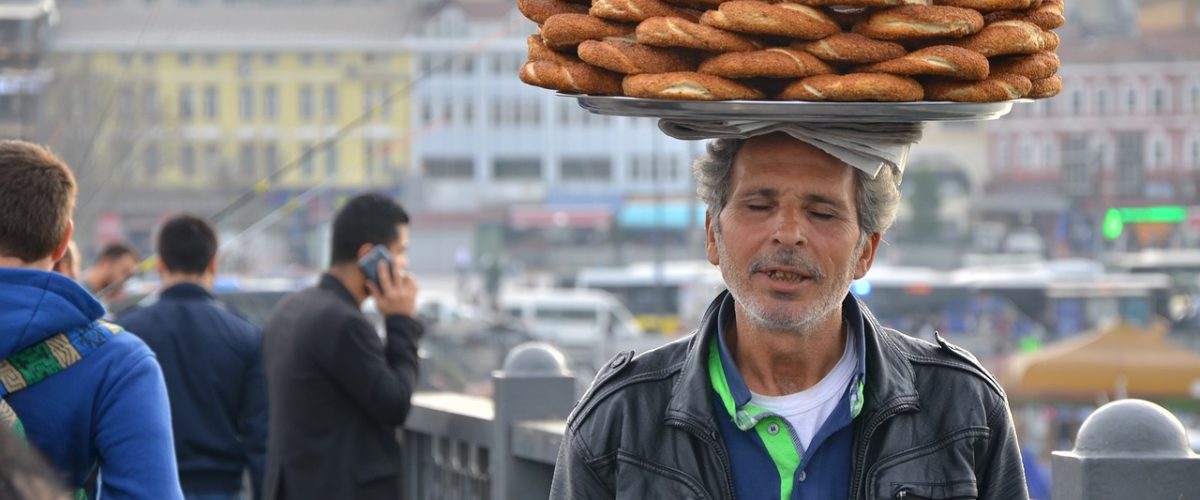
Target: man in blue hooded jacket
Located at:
point(90, 397)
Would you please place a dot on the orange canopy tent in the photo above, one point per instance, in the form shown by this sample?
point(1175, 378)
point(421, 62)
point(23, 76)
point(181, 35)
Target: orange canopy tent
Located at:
point(1119, 361)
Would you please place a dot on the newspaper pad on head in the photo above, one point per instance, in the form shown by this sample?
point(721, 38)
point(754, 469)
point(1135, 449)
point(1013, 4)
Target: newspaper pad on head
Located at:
point(865, 146)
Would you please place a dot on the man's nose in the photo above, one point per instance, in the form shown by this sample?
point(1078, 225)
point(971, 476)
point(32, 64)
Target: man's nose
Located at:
point(790, 229)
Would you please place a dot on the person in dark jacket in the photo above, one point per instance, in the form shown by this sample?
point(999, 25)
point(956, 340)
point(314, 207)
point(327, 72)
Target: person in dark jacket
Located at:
point(790, 389)
point(338, 393)
point(212, 361)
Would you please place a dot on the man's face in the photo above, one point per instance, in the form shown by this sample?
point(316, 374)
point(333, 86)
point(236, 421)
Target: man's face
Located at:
point(788, 241)
point(120, 269)
point(399, 248)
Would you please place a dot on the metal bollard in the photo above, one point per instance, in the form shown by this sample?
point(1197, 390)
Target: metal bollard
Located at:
point(534, 385)
point(1128, 449)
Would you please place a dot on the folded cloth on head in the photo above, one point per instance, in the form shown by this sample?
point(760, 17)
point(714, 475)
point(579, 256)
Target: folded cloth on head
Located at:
point(865, 146)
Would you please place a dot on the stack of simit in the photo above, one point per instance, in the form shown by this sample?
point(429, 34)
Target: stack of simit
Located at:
point(797, 50)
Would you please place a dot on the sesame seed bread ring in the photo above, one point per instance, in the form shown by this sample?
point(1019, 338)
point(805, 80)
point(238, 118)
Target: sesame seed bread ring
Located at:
point(852, 48)
point(938, 60)
point(782, 19)
point(866, 3)
point(778, 62)
point(987, 5)
point(574, 78)
point(632, 58)
point(1051, 40)
point(1049, 15)
point(1006, 37)
point(687, 86)
point(538, 51)
point(1034, 66)
point(540, 10)
point(853, 87)
point(696, 4)
point(565, 31)
point(675, 32)
point(1045, 87)
point(916, 22)
point(847, 17)
point(999, 87)
point(636, 11)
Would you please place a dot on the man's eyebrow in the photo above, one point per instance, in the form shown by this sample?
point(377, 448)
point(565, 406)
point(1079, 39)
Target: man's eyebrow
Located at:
point(765, 192)
point(825, 200)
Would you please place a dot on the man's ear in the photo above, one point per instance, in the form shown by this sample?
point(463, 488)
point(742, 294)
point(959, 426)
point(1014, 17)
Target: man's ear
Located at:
point(867, 257)
point(61, 249)
point(212, 266)
point(364, 250)
point(710, 240)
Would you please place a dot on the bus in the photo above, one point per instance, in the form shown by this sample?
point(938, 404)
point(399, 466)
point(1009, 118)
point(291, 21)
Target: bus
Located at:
point(667, 297)
point(1183, 267)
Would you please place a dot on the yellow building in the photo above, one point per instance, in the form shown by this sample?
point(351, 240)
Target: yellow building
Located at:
point(176, 107)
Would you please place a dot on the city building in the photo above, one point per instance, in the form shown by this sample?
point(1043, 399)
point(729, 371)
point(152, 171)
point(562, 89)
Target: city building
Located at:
point(25, 30)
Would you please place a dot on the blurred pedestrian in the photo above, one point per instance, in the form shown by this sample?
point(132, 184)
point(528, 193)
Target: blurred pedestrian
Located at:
point(68, 265)
point(106, 278)
point(212, 361)
point(24, 474)
point(338, 394)
point(85, 394)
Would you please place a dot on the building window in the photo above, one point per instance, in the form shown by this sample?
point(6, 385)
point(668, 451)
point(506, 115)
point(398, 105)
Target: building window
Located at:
point(306, 58)
point(212, 159)
point(246, 161)
point(270, 58)
point(1158, 153)
point(1027, 154)
point(1048, 155)
point(448, 168)
point(331, 102)
point(149, 59)
point(270, 102)
point(1160, 100)
point(210, 59)
point(1130, 167)
point(468, 112)
point(270, 157)
point(150, 162)
point(125, 60)
point(211, 102)
point(1076, 165)
point(1076, 102)
point(246, 102)
point(530, 113)
point(331, 159)
point(306, 102)
point(187, 160)
point(586, 169)
point(1194, 154)
point(185, 58)
point(185, 102)
point(150, 100)
point(426, 112)
point(245, 63)
point(518, 168)
point(1102, 101)
point(369, 160)
point(307, 164)
point(1003, 154)
point(1195, 91)
point(385, 100)
point(331, 58)
point(1131, 100)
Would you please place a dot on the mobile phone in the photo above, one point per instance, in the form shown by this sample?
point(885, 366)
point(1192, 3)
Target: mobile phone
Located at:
point(369, 263)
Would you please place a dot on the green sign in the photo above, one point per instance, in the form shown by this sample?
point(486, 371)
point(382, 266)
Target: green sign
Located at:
point(1116, 218)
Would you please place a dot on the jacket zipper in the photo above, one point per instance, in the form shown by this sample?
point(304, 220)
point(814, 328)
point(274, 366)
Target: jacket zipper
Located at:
point(856, 481)
point(709, 437)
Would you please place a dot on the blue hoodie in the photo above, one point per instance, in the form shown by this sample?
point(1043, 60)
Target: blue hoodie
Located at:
point(109, 409)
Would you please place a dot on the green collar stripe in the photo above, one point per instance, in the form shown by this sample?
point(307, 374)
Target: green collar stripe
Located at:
point(780, 446)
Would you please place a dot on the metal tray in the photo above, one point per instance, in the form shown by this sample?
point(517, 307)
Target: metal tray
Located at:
point(795, 111)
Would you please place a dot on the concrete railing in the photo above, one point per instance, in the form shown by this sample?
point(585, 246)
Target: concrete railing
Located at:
point(460, 447)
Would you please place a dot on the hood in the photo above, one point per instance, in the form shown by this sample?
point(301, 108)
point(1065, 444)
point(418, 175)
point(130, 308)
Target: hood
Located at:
point(37, 304)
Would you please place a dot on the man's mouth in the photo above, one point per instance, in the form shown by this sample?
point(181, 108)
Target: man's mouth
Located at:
point(786, 276)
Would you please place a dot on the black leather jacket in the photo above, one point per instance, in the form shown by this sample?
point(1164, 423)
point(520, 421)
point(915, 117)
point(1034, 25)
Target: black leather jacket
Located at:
point(934, 424)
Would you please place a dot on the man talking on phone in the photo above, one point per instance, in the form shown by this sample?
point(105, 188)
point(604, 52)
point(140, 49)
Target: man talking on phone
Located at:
point(336, 392)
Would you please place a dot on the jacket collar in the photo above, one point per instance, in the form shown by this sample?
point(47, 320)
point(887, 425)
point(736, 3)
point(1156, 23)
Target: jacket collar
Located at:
point(186, 291)
point(888, 374)
point(332, 284)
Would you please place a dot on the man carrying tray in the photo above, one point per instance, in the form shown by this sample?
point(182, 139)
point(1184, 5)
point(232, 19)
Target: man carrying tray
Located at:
point(790, 388)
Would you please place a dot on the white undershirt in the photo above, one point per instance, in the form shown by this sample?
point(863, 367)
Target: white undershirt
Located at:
point(807, 410)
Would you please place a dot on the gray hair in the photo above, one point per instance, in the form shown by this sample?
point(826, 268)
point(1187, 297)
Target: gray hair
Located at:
point(876, 199)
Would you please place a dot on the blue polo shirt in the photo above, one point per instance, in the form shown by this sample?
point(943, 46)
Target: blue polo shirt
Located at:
point(768, 461)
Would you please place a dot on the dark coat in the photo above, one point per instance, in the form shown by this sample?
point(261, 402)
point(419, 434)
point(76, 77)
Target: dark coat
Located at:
point(337, 395)
point(934, 424)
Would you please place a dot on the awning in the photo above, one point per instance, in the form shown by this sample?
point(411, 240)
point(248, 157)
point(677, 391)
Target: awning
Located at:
point(560, 218)
point(666, 215)
point(1122, 361)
